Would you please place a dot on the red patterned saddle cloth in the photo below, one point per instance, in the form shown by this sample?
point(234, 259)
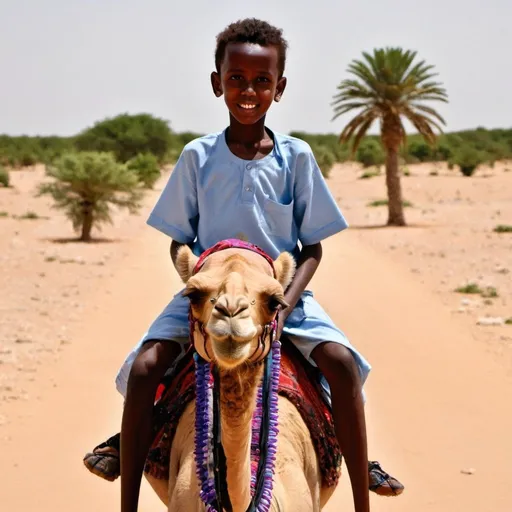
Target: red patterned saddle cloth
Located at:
point(299, 383)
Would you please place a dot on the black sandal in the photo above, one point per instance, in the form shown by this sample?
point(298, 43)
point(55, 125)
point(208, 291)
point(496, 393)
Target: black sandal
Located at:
point(382, 483)
point(106, 465)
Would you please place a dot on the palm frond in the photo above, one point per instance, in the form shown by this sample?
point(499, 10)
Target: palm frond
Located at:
point(428, 110)
point(357, 121)
point(361, 132)
point(389, 82)
point(346, 107)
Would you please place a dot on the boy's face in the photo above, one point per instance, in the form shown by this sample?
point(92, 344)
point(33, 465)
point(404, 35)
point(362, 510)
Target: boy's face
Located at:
point(249, 80)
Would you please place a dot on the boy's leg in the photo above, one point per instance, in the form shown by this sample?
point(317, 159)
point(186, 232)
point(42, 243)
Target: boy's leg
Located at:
point(340, 369)
point(338, 366)
point(150, 365)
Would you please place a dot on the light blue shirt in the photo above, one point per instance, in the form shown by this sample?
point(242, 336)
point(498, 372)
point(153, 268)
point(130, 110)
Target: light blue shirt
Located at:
point(279, 203)
point(275, 202)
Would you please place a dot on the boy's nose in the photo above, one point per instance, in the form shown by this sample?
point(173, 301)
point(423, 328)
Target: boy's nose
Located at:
point(249, 90)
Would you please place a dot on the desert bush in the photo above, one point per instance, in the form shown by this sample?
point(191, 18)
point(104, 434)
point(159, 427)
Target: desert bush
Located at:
point(503, 228)
point(146, 167)
point(370, 153)
point(86, 186)
point(420, 150)
point(371, 173)
point(385, 202)
point(442, 152)
point(4, 177)
point(470, 289)
point(468, 159)
point(128, 135)
point(24, 150)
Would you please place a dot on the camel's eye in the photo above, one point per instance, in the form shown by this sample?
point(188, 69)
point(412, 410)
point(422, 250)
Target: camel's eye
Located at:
point(274, 301)
point(195, 295)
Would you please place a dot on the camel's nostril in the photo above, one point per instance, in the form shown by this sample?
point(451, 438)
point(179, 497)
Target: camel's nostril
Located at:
point(222, 309)
point(231, 309)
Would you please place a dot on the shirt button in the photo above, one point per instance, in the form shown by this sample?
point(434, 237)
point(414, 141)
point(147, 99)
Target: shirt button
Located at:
point(248, 189)
point(248, 167)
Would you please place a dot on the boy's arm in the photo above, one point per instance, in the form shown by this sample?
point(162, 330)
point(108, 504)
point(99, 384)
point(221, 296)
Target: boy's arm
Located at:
point(309, 259)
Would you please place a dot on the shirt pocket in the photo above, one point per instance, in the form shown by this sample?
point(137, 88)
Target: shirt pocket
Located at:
point(279, 218)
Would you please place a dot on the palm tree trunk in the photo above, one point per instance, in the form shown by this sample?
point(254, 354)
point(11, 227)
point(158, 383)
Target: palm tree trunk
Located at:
point(395, 204)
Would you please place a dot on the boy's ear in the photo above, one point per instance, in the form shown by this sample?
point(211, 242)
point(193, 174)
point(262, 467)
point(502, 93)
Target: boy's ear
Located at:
point(216, 84)
point(281, 86)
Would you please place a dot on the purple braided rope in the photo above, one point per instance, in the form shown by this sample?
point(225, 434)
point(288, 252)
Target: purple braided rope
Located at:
point(268, 483)
point(204, 385)
point(202, 435)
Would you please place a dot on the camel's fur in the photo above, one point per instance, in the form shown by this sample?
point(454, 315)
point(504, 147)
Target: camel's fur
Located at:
point(242, 285)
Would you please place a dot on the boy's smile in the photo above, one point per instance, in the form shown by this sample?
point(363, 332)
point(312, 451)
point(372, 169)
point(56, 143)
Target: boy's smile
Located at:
point(249, 78)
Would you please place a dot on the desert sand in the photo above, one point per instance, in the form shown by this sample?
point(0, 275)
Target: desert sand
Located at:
point(439, 397)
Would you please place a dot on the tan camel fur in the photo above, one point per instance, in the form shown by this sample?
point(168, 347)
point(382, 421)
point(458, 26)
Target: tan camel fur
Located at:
point(234, 296)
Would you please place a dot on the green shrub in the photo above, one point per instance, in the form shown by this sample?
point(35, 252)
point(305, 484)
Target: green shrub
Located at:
point(370, 152)
point(30, 215)
point(470, 288)
point(23, 150)
point(370, 174)
point(420, 150)
point(86, 185)
point(442, 152)
point(503, 228)
point(4, 177)
point(385, 202)
point(468, 159)
point(146, 168)
point(128, 135)
point(490, 292)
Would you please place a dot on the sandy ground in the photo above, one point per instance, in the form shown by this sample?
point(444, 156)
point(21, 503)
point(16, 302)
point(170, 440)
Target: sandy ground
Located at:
point(438, 397)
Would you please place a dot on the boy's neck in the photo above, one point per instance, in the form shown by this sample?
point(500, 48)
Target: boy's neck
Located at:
point(251, 135)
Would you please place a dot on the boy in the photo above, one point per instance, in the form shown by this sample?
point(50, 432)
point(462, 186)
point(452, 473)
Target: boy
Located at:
point(247, 182)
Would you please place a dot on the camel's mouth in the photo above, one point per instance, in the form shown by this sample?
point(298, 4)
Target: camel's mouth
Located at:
point(231, 353)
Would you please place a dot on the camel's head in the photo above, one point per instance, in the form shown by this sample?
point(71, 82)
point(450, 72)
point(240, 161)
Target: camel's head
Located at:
point(234, 296)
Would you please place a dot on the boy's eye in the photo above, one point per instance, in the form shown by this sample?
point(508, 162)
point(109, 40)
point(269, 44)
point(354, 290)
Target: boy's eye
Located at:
point(235, 77)
point(263, 79)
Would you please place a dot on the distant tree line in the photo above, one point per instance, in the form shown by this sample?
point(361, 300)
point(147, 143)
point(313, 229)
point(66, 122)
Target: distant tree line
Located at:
point(464, 149)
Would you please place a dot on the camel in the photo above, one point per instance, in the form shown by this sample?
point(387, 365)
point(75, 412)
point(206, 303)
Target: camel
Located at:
point(233, 297)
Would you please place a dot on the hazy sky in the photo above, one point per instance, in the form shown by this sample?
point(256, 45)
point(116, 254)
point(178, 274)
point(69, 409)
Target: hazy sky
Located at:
point(67, 63)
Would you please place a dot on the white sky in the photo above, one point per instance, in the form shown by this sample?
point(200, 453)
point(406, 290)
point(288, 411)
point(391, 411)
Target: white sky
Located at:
point(65, 64)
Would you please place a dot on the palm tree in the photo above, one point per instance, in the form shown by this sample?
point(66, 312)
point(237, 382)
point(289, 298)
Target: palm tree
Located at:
point(387, 86)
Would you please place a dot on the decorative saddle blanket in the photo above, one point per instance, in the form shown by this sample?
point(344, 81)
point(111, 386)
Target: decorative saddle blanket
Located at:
point(298, 382)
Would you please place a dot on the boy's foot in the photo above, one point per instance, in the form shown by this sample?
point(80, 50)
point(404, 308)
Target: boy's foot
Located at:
point(104, 460)
point(382, 483)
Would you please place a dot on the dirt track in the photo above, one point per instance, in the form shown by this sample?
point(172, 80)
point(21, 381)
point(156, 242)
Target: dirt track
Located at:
point(438, 396)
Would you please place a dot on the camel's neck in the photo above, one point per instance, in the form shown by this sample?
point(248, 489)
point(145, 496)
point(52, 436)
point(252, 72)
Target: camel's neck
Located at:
point(238, 401)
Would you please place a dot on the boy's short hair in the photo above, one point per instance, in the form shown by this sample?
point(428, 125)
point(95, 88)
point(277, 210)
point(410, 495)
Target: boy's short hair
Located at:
point(251, 30)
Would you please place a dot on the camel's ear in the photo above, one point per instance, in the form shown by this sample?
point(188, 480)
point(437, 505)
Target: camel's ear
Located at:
point(285, 269)
point(185, 262)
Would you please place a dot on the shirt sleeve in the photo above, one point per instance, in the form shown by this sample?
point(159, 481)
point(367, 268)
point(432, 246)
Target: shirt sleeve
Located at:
point(316, 213)
point(176, 212)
